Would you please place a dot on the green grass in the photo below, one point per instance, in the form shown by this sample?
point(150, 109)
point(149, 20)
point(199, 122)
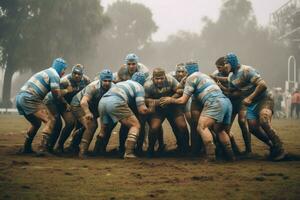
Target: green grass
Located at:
point(29, 177)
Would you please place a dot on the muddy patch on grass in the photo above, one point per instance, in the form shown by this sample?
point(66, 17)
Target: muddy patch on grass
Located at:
point(158, 178)
point(202, 178)
point(156, 193)
point(19, 163)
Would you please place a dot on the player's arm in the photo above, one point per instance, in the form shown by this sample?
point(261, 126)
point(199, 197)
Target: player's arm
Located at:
point(57, 93)
point(164, 101)
point(150, 101)
point(261, 86)
point(84, 104)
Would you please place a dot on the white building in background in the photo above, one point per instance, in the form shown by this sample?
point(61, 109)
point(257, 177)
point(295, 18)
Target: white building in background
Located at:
point(287, 20)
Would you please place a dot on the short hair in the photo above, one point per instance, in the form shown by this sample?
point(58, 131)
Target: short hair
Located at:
point(158, 72)
point(220, 61)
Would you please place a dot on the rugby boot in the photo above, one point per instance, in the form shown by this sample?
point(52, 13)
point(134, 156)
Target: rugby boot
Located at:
point(276, 151)
point(83, 150)
point(152, 137)
point(99, 148)
point(229, 152)
point(210, 151)
point(27, 148)
point(44, 148)
point(235, 148)
point(129, 149)
point(72, 149)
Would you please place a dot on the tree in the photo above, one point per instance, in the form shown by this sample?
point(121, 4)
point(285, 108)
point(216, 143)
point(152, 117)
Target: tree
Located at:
point(180, 47)
point(13, 15)
point(237, 31)
point(36, 31)
point(130, 30)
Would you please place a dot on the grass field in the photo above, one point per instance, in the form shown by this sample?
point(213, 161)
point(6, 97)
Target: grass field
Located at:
point(29, 177)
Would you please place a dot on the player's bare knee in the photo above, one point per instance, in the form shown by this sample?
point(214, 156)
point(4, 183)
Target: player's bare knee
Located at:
point(264, 117)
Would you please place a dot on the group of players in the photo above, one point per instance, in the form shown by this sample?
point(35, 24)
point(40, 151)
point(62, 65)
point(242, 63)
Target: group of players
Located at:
point(200, 109)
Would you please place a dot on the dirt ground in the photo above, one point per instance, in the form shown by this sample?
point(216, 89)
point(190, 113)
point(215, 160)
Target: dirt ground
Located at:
point(30, 177)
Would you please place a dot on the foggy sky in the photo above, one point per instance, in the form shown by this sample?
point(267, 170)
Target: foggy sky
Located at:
point(172, 16)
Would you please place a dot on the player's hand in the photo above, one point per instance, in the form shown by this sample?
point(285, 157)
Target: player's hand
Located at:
point(247, 101)
point(164, 101)
point(70, 89)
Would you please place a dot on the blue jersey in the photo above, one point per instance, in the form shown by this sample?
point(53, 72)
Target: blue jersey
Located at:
point(42, 82)
point(130, 91)
point(202, 87)
point(245, 80)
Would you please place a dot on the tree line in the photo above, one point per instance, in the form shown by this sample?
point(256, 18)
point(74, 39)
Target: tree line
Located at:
point(33, 32)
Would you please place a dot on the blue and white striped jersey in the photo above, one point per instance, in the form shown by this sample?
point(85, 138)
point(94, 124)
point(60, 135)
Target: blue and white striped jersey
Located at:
point(202, 87)
point(130, 91)
point(66, 82)
point(245, 80)
point(42, 82)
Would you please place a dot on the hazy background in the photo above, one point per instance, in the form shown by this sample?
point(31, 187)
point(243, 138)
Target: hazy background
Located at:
point(162, 33)
point(171, 16)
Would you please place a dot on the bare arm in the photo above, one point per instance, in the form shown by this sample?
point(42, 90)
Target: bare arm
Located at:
point(261, 86)
point(84, 103)
point(182, 100)
point(142, 109)
point(164, 101)
point(149, 101)
point(59, 95)
point(223, 80)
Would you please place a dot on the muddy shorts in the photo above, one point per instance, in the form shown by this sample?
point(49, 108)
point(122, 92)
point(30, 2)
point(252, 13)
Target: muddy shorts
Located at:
point(113, 109)
point(53, 108)
point(28, 104)
point(254, 109)
point(169, 111)
point(237, 106)
point(218, 108)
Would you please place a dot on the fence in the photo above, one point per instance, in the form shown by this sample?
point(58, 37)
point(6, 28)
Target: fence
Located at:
point(8, 110)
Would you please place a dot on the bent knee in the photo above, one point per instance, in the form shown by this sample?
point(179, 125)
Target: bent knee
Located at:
point(265, 116)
